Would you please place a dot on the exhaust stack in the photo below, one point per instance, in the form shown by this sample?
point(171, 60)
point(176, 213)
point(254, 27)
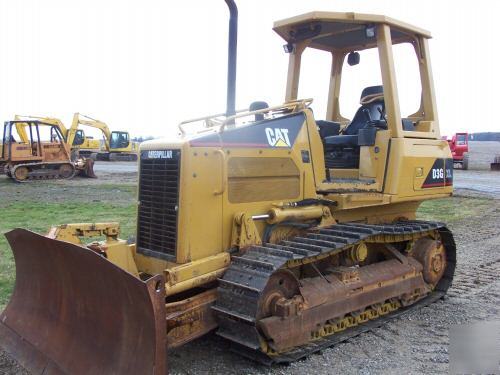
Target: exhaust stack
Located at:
point(231, 58)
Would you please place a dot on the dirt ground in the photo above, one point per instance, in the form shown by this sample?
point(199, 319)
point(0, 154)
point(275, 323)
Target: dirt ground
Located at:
point(76, 189)
point(415, 344)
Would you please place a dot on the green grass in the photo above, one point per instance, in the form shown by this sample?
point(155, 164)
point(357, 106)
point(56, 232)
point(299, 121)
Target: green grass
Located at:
point(449, 210)
point(126, 188)
point(40, 216)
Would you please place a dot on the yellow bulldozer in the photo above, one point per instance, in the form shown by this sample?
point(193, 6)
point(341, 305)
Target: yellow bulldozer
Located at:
point(37, 149)
point(284, 233)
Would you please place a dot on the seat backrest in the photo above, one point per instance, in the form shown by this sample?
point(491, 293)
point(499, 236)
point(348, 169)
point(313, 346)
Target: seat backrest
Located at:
point(327, 128)
point(372, 107)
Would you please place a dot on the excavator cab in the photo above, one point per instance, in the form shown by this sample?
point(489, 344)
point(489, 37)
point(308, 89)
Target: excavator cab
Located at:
point(79, 138)
point(119, 140)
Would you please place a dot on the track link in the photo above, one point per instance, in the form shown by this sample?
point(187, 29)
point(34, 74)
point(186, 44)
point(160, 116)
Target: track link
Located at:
point(115, 156)
point(243, 283)
point(42, 171)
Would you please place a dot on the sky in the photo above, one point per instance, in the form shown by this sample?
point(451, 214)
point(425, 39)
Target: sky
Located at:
point(144, 66)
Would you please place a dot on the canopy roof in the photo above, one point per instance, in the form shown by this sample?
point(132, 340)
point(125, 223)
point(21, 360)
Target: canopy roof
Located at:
point(342, 31)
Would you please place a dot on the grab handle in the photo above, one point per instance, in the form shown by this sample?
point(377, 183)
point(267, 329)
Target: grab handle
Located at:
point(224, 173)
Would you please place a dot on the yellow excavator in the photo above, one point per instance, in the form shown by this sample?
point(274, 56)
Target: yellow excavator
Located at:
point(117, 144)
point(283, 233)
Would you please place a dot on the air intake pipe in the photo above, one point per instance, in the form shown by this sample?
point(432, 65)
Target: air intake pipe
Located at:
point(231, 58)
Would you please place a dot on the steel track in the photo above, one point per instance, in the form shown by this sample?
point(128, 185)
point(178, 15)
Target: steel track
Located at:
point(50, 173)
point(243, 283)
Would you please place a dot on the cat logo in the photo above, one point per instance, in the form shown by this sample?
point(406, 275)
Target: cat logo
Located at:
point(278, 137)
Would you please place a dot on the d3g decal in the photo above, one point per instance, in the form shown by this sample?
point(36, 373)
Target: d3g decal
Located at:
point(277, 137)
point(440, 175)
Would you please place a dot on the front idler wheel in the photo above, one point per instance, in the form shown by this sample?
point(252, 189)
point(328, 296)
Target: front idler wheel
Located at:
point(282, 286)
point(432, 255)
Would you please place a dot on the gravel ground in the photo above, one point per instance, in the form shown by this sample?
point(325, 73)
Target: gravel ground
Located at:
point(114, 167)
point(415, 344)
point(108, 167)
point(481, 181)
point(481, 154)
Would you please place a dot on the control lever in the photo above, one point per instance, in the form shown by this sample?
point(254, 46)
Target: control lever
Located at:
point(367, 114)
point(380, 124)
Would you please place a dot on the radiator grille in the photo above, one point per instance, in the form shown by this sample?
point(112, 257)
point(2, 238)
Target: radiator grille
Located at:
point(158, 203)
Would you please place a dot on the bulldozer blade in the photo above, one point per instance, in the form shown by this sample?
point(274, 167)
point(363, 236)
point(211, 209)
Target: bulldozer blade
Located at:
point(87, 170)
point(74, 312)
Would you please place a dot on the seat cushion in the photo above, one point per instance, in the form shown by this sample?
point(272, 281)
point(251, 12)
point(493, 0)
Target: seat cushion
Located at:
point(341, 140)
point(328, 128)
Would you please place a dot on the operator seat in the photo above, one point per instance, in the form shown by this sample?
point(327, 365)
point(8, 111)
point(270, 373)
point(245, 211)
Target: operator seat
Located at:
point(372, 110)
point(342, 151)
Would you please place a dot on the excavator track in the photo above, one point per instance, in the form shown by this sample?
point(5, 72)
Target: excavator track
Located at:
point(42, 171)
point(242, 288)
point(115, 156)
